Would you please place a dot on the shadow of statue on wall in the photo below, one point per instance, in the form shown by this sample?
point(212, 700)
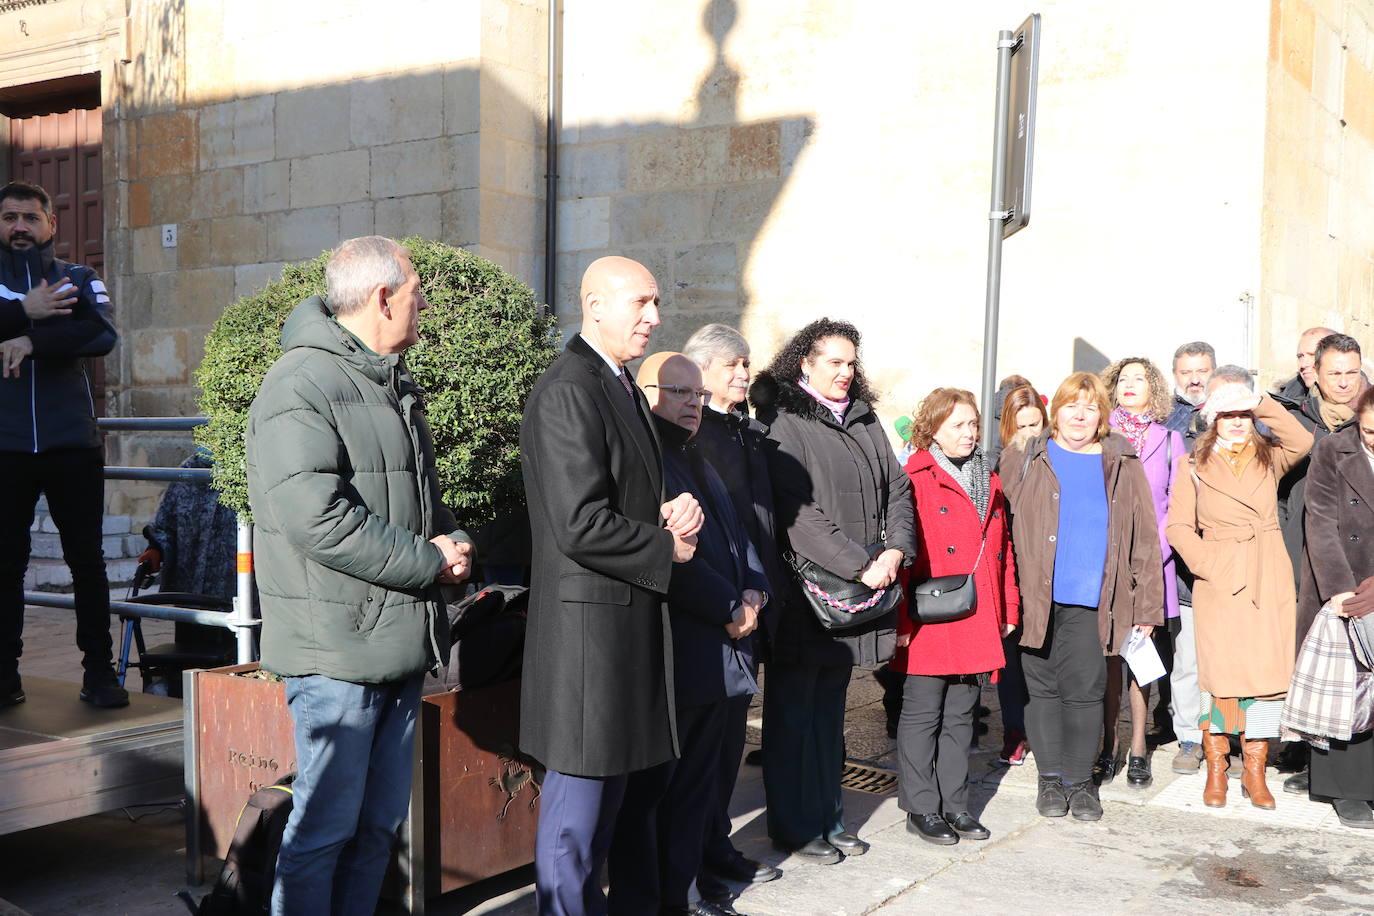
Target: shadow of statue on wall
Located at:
point(694, 197)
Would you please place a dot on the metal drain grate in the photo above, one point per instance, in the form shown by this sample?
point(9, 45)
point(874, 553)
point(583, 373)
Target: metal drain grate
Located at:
point(863, 778)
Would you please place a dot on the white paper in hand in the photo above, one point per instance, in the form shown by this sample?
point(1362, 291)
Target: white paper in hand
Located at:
point(1140, 653)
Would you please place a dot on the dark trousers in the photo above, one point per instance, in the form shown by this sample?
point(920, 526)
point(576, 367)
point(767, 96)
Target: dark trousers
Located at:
point(1346, 770)
point(661, 829)
point(720, 852)
point(73, 480)
point(1011, 689)
point(1066, 679)
point(803, 719)
point(576, 817)
point(933, 740)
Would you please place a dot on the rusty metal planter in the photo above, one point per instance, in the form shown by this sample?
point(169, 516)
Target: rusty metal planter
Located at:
point(473, 807)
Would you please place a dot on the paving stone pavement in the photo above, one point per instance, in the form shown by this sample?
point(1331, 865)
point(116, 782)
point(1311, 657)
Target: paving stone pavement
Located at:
point(1156, 851)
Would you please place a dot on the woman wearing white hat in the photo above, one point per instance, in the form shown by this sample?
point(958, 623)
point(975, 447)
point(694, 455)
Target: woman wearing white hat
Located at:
point(1223, 521)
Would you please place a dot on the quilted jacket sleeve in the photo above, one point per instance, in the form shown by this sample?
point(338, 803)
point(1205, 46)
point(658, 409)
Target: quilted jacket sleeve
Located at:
point(294, 450)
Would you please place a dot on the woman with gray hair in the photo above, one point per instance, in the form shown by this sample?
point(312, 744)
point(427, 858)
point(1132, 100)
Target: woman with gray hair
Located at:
point(733, 443)
point(1140, 407)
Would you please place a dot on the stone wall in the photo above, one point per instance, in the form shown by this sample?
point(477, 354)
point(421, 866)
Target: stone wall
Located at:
point(1318, 237)
point(1201, 171)
point(774, 162)
point(265, 133)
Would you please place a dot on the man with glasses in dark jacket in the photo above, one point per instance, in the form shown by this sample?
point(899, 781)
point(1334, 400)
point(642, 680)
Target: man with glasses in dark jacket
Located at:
point(714, 601)
point(52, 315)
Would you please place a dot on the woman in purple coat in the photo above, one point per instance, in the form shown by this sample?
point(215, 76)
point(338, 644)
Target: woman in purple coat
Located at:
point(1140, 405)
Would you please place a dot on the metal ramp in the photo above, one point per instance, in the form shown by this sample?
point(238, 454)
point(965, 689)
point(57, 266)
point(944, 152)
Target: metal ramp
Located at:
point(61, 758)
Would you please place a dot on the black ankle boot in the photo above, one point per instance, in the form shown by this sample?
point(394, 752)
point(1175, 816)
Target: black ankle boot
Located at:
point(1050, 800)
point(1083, 801)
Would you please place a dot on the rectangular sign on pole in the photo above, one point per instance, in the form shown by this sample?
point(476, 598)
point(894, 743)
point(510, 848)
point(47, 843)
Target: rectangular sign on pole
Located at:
point(1020, 125)
point(1013, 138)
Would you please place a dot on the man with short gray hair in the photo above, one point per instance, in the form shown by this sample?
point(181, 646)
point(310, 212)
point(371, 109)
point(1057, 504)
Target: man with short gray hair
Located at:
point(1193, 365)
point(733, 444)
point(1230, 373)
point(353, 541)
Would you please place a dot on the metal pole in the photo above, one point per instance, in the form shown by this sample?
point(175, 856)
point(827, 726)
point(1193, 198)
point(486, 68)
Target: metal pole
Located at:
point(551, 129)
point(996, 216)
point(244, 616)
point(161, 475)
point(151, 424)
point(172, 612)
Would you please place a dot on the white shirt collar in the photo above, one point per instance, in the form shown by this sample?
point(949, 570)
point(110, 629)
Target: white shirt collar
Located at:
point(712, 405)
point(615, 370)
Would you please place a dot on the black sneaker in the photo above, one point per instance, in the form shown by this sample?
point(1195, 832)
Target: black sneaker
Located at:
point(1138, 772)
point(1051, 801)
point(11, 691)
point(101, 688)
point(1083, 801)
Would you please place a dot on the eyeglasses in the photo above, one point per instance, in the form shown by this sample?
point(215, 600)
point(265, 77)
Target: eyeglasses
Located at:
point(687, 394)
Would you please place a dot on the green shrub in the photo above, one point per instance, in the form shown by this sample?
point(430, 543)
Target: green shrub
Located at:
point(483, 343)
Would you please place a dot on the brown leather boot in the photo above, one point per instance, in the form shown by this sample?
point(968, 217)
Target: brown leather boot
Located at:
point(1215, 749)
point(1252, 785)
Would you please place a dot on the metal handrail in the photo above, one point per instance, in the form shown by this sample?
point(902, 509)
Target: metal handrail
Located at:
point(150, 424)
point(242, 619)
point(159, 475)
point(170, 612)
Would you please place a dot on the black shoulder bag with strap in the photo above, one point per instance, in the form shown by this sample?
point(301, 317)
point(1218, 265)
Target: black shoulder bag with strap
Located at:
point(842, 604)
point(944, 599)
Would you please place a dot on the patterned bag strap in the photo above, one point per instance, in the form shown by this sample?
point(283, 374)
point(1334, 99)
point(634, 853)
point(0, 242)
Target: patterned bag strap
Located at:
point(845, 606)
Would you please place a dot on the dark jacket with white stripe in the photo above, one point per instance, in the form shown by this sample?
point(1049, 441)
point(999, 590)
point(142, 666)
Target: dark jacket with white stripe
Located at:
point(49, 405)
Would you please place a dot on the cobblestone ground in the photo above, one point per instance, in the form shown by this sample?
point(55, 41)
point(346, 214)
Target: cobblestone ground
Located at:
point(1157, 850)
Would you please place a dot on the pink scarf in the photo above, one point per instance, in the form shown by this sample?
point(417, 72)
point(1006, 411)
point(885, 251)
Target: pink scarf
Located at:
point(836, 407)
point(1135, 427)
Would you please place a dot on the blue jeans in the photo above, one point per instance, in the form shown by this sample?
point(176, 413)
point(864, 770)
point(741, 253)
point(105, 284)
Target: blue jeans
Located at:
point(354, 754)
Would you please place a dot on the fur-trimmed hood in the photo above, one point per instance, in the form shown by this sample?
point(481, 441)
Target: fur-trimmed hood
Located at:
point(770, 395)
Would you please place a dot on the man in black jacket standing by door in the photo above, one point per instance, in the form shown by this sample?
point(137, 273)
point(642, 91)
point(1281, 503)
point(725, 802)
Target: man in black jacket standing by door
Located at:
point(596, 695)
point(52, 314)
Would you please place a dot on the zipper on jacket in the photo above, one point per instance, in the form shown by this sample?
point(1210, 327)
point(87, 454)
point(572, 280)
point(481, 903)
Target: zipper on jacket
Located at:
point(426, 507)
point(33, 373)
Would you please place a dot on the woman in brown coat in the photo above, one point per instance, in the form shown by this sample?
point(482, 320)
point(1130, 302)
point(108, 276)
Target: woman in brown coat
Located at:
point(1087, 554)
point(1224, 523)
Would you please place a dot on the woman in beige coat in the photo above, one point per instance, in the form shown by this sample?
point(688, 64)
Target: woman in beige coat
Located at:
point(1223, 521)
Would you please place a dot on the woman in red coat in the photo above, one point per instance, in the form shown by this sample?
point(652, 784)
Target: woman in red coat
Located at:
point(961, 527)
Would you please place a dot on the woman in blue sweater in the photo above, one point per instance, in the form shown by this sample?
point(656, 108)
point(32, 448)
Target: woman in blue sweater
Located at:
point(1088, 561)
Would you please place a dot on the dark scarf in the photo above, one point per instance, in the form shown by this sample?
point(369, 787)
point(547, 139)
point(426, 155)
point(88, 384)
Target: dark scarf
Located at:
point(973, 475)
point(1135, 427)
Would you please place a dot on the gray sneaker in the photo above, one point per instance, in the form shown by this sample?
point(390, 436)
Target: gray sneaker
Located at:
point(1189, 757)
point(1050, 798)
point(1083, 801)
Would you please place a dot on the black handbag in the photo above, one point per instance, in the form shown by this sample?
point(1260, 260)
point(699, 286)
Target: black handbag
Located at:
point(944, 599)
point(843, 604)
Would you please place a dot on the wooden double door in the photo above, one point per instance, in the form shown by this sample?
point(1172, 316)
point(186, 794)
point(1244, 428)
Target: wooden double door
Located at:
point(61, 152)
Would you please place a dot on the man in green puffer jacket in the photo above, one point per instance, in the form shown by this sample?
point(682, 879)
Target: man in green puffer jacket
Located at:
point(352, 545)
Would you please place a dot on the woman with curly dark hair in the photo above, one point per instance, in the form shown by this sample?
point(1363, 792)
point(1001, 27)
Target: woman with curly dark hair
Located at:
point(844, 504)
